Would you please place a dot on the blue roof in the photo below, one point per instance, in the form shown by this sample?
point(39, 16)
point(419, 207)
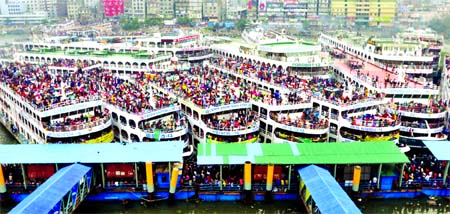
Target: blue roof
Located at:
point(46, 196)
point(92, 153)
point(326, 192)
point(440, 149)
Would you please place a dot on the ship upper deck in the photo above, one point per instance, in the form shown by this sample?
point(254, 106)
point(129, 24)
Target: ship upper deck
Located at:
point(294, 54)
point(45, 92)
point(377, 78)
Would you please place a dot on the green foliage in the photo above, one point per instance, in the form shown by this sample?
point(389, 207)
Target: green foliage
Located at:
point(241, 24)
point(184, 20)
point(154, 21)
point(129, 24)
point(441, 24)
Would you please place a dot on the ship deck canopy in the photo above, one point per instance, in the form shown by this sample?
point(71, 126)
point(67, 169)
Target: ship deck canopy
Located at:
point(440, 149)
point(326, 192)
point(301, 153)
point(92, 153)
point(52, 191)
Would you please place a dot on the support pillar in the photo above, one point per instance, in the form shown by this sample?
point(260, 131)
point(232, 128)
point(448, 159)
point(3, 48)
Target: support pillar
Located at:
point(289, 178)
point(247, 198)
point(221, 179)
point(173, 185)
point(356, 178)
point(149, 176)
point(379, 176)
point(444, 179)
point(268, 196)
point(56, 167)
point(24, 176)
point(2, 181)
point(103, 175)
point(334, 171)
point(402, 170)
point(136, 175)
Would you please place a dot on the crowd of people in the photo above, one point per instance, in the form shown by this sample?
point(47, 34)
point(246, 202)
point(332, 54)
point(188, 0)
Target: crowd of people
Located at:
point(232, 121)
point(424, 170)
point(76, 123)
point(374, 120)
point(70, 63)
point(41, 90)
point(307, 119)
point(208, 178)
point(166, 124)
point(433, 107)
point(134, 96)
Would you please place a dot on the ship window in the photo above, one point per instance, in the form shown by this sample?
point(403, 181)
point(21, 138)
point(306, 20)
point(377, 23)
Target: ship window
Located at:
point(264, 113)
point(255, 108)
point(124, 135)
point(114, 116)
point(262, 125)
point(134, 138)
point(123, 120)
point(132, 124)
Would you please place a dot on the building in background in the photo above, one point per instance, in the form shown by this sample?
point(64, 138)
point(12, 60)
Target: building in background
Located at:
point(363, 12)
point(113, 8)
point(61, 8)
point(252, 10)
point(214, 10)
point(24, 19)
point(235, 9)
point(189, 8)
point(12, 7)
point(318, 9)
point(135, 8)
point(73, 8)
point(161, 8)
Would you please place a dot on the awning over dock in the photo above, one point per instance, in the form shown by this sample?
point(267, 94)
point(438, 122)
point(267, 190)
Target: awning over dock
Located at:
point(326, 192)
point(50, 196)
point(92, 153)
point(301, 153)
point(440, 149)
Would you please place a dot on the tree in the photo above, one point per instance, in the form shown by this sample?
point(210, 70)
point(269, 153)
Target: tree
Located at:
point(241, 24)
point(154, 21)
point(184, 20)
point(130, 24)
point(441, 24)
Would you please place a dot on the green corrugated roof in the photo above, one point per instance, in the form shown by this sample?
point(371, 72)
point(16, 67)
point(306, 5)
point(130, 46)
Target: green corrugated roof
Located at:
point(301, 153)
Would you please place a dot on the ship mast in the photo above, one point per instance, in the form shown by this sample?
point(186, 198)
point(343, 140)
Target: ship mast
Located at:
point(443, 86)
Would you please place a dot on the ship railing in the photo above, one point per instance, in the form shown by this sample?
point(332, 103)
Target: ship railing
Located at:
point(144, 111)
point(272, 103)
point(53, 106)
point(249, 125)
point(376, 123)
point(237, 187)
point(348, 103)
point(166, 130)
point(67, 102)
point(69, 128)
point(422, 125)
point(422, 182)
point(425, 110)
point(306, 124)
